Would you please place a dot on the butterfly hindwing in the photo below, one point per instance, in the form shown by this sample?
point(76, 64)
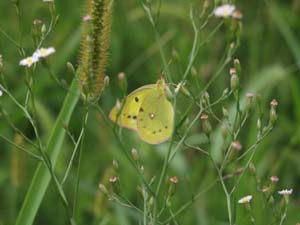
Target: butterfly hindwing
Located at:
point(128, 116)
point(155, 118)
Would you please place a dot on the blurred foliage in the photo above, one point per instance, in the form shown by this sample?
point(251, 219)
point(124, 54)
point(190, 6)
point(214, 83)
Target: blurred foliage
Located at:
point(270, 56)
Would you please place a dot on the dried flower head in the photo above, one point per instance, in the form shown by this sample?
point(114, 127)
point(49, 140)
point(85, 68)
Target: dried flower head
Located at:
point(237, 14)
point(245, 199)
point(274, 103)
point(204, 117)
point(174, 180)
point(265, 189)
point(236, 145)
point(113, 179)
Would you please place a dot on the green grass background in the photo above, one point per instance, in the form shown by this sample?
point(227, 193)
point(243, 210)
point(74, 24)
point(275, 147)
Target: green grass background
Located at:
point(270, 58)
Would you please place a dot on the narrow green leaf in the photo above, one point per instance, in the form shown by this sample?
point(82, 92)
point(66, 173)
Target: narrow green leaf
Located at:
point(42, 177)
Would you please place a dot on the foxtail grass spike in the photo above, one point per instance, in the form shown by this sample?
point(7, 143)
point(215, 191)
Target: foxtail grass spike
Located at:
point(94, 48)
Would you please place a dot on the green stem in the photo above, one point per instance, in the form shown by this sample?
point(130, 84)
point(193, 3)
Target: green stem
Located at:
point(42, 177)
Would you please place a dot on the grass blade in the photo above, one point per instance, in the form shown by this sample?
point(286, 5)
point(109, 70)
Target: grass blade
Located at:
point(42, 176)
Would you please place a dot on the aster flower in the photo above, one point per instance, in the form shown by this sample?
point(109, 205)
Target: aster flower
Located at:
point(285, 192)
point(43, 52)
point(245, 199)
point(29, 61)
point(224, 11)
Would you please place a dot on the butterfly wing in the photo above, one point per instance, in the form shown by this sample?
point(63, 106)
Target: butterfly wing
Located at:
point(128, 116)
point(155, 118)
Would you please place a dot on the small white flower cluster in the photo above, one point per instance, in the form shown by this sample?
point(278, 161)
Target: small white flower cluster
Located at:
point(39, 53)
point(245, 199)
point(248, 198)
point(285, 192)
point(226, 11)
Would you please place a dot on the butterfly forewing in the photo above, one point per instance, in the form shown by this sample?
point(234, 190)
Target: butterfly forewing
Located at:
point(155, 118)
point(127, 117)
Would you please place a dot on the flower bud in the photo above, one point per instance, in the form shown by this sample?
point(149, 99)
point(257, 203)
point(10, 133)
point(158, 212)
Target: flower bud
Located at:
point(258, 124)
point(206, 98)
point(106, 81)
point(252, 169)
point(115, 165)
point(225, 92)
point(234, 82)
point(43, 29)
point(135, 154)
point(194, 71)
point(71, 68)
point(225, 112)
point(237, 66)
point(122, 82)
point(206, 127)
point(224, 131)
point(273, 113)
point(172, 188)
point(249, 99)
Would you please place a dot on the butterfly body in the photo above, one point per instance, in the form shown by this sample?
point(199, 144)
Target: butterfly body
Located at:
point(148, 112)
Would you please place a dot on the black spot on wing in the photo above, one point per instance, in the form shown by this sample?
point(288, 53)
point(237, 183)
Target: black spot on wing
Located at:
point(136, 99)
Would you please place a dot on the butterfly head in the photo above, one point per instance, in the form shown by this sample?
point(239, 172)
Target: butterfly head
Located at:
point(163, 88)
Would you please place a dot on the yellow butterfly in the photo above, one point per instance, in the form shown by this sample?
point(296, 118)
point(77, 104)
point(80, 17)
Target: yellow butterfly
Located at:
point(147, 111)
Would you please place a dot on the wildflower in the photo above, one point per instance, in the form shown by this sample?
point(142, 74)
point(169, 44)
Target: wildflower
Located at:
point(29, 61)
point(245, 199)
point(224, 11)
point(237, 14)
point(285, 192)
point(274, 179)
point(236, 145)
point(265, 189)
point(274, 103)
point(174, 180)
point(43, 52)
point(87, 18)
point(113, 179)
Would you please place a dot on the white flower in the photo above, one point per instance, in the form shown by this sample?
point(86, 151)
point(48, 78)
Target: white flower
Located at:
point(29, 61)
point(225, 10)
point(43, 52)
point(285, 192)
point(245, 199)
